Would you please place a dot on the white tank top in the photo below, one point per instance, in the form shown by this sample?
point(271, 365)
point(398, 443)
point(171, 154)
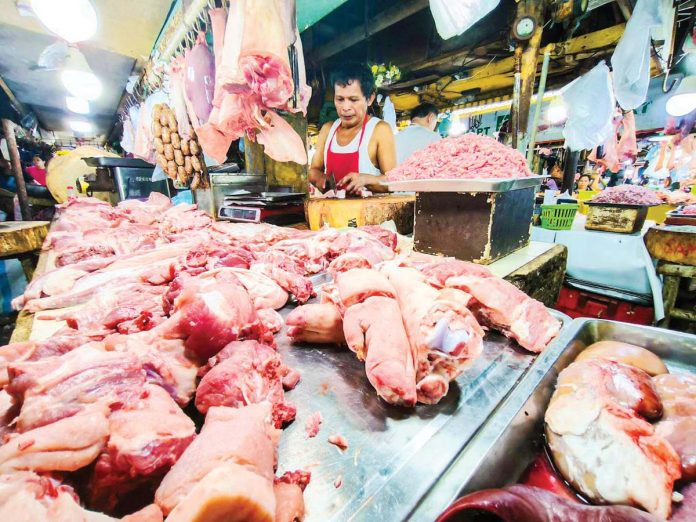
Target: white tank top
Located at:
point(365, 165)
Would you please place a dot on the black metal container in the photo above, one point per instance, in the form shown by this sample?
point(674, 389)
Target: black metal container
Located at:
point(480, 227)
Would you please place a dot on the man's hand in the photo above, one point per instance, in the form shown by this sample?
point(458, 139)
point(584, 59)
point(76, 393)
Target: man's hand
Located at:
point(353, 183)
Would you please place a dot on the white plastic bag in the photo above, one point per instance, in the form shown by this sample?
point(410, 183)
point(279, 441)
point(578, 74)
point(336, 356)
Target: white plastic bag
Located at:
point(453, 17)
point(389, 113)
point(631, 59)
point(590, 103)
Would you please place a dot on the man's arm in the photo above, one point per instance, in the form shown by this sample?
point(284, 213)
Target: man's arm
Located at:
point(316, 169)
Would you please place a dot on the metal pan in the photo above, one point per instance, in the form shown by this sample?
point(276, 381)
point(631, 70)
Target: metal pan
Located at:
point(512, 437)
point(395, 455)
point(117, 162)
point(464, 185)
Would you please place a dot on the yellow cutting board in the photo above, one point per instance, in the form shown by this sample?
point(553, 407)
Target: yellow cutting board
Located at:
point(358, 212)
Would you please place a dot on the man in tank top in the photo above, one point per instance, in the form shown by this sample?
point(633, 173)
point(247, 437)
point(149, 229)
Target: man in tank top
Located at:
point(357, 149)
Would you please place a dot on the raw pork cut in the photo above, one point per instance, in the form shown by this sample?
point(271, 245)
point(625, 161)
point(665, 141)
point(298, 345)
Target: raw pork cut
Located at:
point(65, 445)
point(253, 78)
point(249, 373)
point(240, 443)
point(358, 284)
point(678, 424)
point(517, 503)
point(468, 156)
point(210, 312)
point(444, 335)
point(57, 387)
point(316, 323)
point(374, 331)
point(35, 350)
point(145, 440)
point(200, 78)
point(501, 305)
point(164, 361)
point(25, 496)
point(600, 441)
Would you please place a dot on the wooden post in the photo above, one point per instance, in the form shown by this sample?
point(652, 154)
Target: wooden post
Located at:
point(8, 131)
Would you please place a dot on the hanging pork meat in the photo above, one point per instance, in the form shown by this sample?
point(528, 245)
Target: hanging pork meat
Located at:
point(200, 78)
point(254, 78)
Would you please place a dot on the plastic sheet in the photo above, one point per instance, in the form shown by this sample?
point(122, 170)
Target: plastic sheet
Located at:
point(631, 58)
point(453, 17)
point(590, 103)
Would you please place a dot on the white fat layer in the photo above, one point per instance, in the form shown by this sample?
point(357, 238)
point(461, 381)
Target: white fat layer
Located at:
point(444, 339)
point(214, 300)
point(606, 464)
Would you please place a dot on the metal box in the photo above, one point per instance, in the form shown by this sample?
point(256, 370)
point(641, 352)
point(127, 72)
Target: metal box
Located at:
point(481, 227)
point(615, 217)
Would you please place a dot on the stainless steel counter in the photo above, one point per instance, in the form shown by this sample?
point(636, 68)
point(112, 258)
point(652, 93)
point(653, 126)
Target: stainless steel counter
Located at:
point(512, 437)
point(395, 455)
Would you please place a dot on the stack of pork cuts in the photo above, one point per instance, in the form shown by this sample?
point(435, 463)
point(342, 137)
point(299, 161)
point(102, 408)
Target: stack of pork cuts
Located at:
point(417, 329)
point(166, 306)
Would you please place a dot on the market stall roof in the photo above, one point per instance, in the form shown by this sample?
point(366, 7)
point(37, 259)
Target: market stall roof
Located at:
point(310, 12)
point(477, 65)
point(127, 30)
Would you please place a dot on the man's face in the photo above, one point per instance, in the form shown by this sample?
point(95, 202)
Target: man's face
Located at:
point(351, 104)
point(40, 163)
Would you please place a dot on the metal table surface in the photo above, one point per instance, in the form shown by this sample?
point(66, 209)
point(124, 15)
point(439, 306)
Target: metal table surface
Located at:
point(395, 454)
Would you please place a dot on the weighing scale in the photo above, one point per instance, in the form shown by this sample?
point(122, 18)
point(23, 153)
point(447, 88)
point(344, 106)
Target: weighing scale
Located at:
point(276, 208)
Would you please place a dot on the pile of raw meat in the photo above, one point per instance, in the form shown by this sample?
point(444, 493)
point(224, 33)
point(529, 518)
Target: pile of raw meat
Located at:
point(418, 325)
point(689, 210)
point(166, 305)
point(469, 156)
point(627, 195)
point(166, 310)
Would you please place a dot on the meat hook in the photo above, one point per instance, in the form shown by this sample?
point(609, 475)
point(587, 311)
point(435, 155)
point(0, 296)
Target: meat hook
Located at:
point(666, 89)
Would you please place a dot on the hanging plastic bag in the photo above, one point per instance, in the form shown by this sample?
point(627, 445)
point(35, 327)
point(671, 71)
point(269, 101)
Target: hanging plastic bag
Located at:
point(389, 113)
point(590, 103)
point(453, 17)
point(631, 59)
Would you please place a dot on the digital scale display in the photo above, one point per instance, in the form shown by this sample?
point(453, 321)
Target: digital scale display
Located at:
point(252, 215)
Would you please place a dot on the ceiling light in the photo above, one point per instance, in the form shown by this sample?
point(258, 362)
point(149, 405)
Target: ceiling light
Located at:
point(72, 20)
point(81, 126)
point(77, 105)
point(683, 101)
point(78, 78)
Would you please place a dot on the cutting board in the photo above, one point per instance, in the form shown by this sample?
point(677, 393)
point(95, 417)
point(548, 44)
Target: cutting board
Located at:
point(674, 244)
point(358, 212)
point(21, 237)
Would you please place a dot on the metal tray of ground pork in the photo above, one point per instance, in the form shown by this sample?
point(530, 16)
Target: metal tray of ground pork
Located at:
point(512, 438)
point(395, 455)
point(464, 185)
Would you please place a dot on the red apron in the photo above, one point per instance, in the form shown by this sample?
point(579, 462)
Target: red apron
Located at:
point(343, 163)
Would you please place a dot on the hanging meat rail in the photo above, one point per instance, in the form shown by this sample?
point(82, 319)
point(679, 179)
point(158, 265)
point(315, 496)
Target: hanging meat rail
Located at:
point(178, 35)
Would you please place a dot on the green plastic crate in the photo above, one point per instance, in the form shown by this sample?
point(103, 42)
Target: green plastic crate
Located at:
point(558, 217)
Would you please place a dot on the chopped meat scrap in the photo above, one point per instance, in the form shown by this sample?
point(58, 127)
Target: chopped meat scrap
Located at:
point(339, 441)
point(338, 482)
point(313, 424)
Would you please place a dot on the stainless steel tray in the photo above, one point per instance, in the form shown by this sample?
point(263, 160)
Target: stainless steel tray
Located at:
point(395, 455)
point(464, 185)
point(511, 438)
